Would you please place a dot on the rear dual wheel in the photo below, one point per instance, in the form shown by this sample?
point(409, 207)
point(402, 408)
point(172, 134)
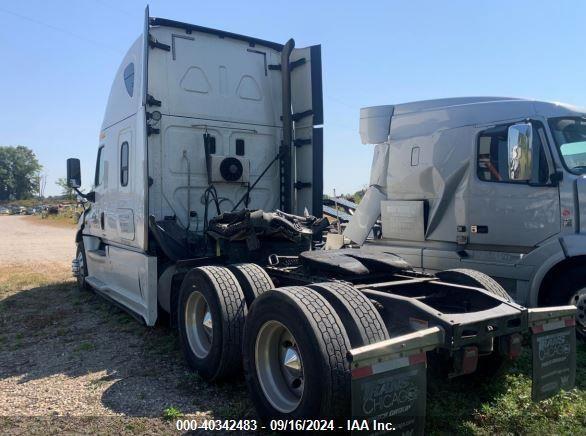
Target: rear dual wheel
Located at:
point(211, 313)
point(213, 304)
point(295, 345)
point(295, 338)
point(295, 356)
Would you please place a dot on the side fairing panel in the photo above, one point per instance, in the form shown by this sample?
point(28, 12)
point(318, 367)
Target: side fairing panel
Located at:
point(435, 169)
point(126, 92)
point(307, 106)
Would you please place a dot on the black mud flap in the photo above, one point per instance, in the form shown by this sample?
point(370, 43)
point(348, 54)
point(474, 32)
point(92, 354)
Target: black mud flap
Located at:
point(553, 343)
point(389, 384)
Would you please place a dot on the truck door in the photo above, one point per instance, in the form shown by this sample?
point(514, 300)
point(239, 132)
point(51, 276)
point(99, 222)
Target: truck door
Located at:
point(508, 214)
point(127, 198)
point(97, 218)
point(307, 106)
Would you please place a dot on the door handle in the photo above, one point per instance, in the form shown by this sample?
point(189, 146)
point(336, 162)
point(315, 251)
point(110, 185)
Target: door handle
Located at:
point(102, 220)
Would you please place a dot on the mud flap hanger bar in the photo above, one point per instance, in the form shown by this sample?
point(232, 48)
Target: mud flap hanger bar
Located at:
point(402, 346)
point(548, 318)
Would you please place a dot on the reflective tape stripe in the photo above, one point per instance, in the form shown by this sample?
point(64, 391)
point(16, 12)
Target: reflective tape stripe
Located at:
point(553, 325)
point(362, 372)
point(388, 365)
point(417, 358)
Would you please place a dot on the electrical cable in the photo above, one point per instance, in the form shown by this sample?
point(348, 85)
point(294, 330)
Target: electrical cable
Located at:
point(58, 29)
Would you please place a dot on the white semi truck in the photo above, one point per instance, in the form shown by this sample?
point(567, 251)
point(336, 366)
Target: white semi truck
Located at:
point(497, 185)
point(205, 206)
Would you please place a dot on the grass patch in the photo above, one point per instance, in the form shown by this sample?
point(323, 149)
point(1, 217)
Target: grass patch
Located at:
point(67, 219)
point(162, 342)
point(171, 414)
point(85, 346)
point(504, 405)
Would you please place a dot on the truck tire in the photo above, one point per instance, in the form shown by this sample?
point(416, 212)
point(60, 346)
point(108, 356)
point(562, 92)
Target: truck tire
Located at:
point(570, 288)
point(210, 313)
point(82, 285)
point(362, 321)
point(253, 280)
point(295, 362)
point(469, 277)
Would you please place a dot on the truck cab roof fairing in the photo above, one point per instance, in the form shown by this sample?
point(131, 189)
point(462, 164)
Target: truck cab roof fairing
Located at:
point(121, 104)
point(221, 33)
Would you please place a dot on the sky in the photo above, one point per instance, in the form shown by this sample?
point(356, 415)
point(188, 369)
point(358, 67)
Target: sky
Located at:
point(59, 58)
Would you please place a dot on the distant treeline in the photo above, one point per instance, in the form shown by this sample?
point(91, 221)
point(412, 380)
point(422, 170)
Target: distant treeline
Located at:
point(355, 197)
point(19, 173)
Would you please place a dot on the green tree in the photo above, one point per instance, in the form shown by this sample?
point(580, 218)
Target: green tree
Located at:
point(66, 191)
point(356, 197)
point(19, 173)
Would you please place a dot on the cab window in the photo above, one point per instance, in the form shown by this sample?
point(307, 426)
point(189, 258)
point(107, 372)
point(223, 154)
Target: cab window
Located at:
point(99, 178)
point(129, 79)
point(492, 163)
point(570, 138)
point(124, 164)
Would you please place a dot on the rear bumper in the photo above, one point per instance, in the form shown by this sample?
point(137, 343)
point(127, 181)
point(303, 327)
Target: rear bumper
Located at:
point(389, 378)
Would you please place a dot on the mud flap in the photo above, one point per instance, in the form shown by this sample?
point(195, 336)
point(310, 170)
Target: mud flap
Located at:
point(553, 343)
point(389, 384)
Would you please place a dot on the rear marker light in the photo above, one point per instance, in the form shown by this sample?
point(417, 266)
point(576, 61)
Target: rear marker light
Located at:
point(469, 360)
point(515, 345)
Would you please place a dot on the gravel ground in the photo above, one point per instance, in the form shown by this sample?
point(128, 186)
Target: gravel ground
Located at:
point(21, 241)
point(72, 362)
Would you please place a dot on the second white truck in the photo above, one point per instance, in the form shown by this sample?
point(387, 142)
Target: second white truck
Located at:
point(497, 185)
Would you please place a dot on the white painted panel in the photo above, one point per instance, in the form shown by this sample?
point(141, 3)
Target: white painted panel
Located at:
point(128, 277)
point(403, 220)
point(204, 76)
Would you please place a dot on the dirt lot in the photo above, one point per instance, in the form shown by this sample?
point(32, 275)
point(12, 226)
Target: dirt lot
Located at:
point(71, 362)
point(20, 241)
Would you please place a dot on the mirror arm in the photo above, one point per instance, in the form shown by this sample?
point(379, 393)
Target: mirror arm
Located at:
point(556, 177)
point(90, 196)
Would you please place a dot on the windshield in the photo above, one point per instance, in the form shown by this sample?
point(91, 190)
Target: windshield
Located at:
point(570, 138)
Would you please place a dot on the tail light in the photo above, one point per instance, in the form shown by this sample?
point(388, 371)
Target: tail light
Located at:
point(514, 345)
point(469, 360)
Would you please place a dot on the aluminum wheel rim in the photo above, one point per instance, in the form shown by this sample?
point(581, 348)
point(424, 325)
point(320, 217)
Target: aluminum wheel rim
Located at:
point(198, 324)
point(279, 366)
point(578, 299)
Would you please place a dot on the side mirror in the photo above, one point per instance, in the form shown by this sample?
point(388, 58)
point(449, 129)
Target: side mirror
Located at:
point(520, 144)
point(73, 173)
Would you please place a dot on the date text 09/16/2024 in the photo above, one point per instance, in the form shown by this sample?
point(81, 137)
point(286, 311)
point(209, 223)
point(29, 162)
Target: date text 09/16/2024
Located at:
point(283, 425)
